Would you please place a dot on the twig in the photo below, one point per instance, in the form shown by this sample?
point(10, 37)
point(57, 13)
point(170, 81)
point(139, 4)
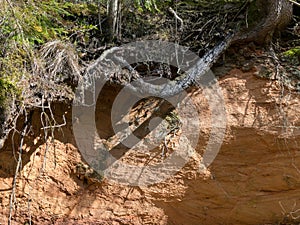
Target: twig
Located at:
point(241, 9)
point(19, 164)
point(16, 18)
point(165, 147)
point(45, 138)
point(177, 17)
point(53, 125)
point(295, 212)
point(296, 3)
point(56, 126)
point(99, 17)
point(19, 27)
point(292, 127)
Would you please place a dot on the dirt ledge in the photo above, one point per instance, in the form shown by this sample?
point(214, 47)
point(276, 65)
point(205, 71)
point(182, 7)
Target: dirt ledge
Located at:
point(255, 178)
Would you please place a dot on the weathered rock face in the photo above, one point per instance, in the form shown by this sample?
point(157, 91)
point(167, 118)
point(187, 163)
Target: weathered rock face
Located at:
point(255, 178)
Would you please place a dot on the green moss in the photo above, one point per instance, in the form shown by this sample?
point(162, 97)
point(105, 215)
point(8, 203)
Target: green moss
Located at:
point(7, 90)
point(14, 64)
point(37, 22)
point(292, 52)
point(292, 56)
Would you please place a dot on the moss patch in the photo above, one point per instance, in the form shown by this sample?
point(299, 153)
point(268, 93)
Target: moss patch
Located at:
point(293, 52)
point(7, 91)
point(292, 56)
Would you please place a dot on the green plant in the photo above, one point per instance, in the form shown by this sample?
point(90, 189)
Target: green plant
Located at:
point(8, 91)
point(293, 52)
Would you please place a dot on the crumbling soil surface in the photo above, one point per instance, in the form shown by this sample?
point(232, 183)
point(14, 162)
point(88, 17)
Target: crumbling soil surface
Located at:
point(255, 178)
